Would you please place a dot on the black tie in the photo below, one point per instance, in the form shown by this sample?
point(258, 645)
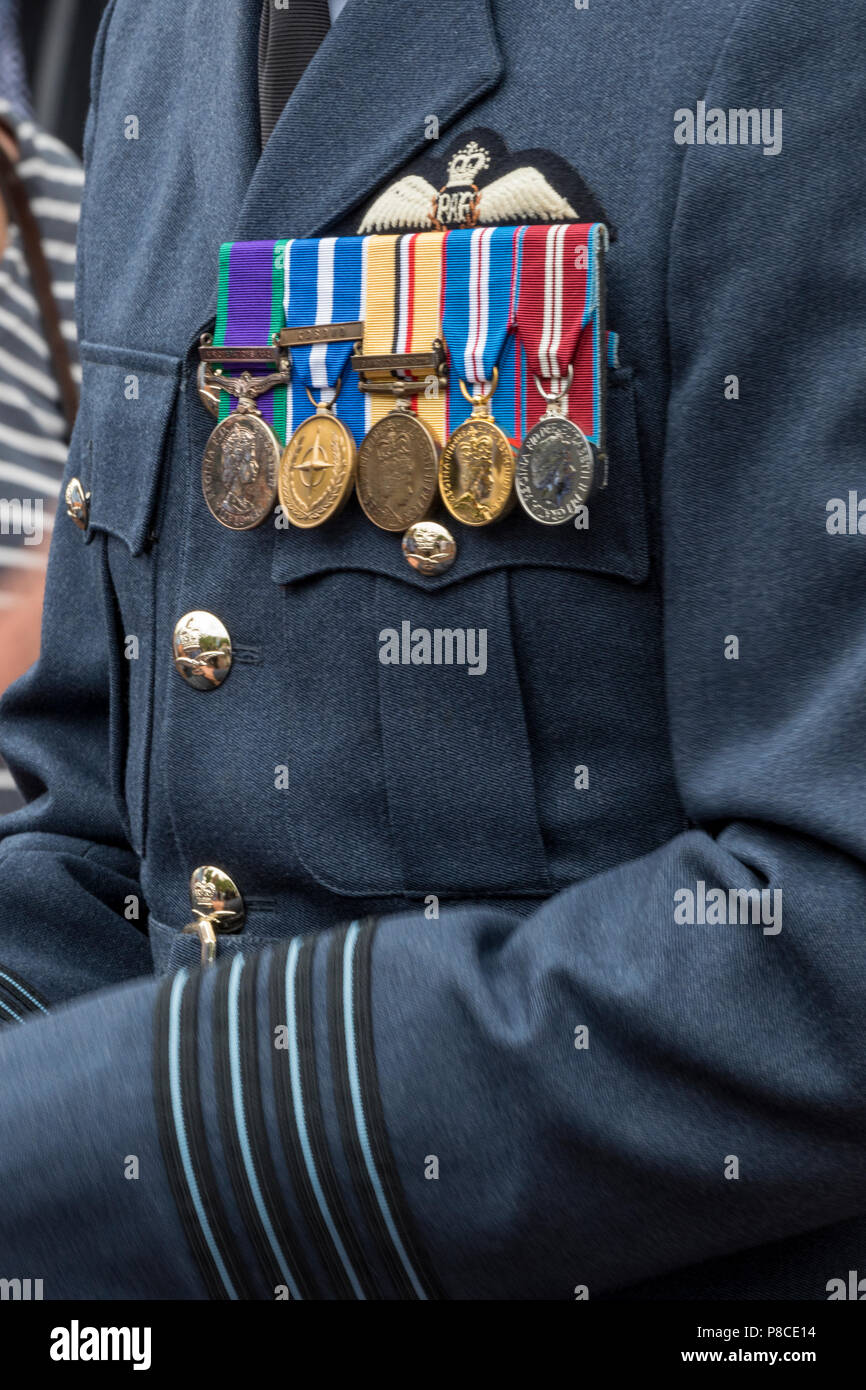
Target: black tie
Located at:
point(288, 37)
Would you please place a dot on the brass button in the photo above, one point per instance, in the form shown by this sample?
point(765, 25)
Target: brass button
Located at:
point(217, 908)
point(202, 650)
point(429, 548)
point(213, 892)
point(77, 503)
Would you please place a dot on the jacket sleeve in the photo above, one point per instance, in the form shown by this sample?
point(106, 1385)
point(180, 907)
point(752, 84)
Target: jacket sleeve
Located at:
point(69, 915)
point(488, 1105)
point(70, 907)
point(562, 1165)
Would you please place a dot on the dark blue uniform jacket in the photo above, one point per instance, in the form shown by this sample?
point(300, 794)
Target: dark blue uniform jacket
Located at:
point(464, 1045)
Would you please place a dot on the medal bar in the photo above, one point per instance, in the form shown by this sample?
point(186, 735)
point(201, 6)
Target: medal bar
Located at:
point(434, 361)
point(208, 353)
point(302, 335)
point(521, 310)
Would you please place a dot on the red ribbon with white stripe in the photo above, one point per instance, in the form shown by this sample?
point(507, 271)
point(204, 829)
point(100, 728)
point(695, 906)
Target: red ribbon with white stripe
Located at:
point(555, 303)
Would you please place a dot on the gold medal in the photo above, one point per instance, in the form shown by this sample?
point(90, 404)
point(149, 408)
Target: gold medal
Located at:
point(401, 356)
point(476, 470)
point(398, 464)
point(317, 469)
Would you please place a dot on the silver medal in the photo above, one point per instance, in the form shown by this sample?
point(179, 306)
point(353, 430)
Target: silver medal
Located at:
point(242, 456)
point(556, 469)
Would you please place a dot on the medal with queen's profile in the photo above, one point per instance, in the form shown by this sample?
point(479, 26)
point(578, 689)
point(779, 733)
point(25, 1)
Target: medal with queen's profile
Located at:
point(242, 455)
point(555, 472)
point(476, 471)
point(239, 471)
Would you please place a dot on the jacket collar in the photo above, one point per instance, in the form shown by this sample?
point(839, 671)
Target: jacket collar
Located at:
point(363, 108)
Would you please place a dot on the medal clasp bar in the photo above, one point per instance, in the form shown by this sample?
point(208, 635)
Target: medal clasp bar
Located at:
point(386, 365)
point(264, 352)
point(306, 335)
point(239, 354)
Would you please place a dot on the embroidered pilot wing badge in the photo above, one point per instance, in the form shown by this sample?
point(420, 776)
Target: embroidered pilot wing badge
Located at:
point(476, 182)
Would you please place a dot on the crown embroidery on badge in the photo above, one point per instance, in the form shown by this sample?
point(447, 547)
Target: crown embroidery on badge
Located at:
point(466, 163)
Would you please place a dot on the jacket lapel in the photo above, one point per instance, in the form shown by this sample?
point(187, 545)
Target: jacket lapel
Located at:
point(223, 107)
point(362, 109)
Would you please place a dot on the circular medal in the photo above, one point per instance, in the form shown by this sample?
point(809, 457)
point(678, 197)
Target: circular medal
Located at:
point(317, 470)
point(239, 471)
point(397, 471)
point(555, 470)
point(476, 472)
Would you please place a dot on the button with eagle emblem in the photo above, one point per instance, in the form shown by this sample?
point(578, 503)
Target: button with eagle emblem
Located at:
point(429, 547)
point(202, 650)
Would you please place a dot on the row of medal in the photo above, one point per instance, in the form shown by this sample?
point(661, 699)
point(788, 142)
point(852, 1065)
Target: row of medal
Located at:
point(477, 287)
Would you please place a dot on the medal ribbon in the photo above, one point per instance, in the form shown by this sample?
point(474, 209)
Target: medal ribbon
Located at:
point(479, 266)
point(381, 311)
point(559, 315)
point(476, 312)
point(424, 293)
point(324, 281)
point(476, 283)
point(403, 308)
point(511, 391)
point(322, 284)
point(249, 311)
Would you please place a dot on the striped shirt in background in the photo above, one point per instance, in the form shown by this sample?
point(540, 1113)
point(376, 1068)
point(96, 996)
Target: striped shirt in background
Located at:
point(32, 426)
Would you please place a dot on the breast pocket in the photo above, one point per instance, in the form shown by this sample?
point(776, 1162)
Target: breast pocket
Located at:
point(128, 401)
point(417, 738)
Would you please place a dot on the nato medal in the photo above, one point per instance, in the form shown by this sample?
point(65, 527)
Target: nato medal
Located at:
point(317, 469)
point(398, 463)
point(555, 472)
point(476, 470)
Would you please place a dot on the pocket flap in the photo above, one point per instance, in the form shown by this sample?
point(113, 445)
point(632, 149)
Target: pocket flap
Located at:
point(614, 543)
point(128, 399)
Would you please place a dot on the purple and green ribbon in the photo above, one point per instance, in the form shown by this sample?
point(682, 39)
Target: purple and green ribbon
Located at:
point(249, 312)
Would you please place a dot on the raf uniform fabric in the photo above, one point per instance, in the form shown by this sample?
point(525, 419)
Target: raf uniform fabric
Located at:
point(414, 1041)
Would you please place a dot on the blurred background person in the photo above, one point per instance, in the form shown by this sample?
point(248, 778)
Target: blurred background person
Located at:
point(45, 52)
